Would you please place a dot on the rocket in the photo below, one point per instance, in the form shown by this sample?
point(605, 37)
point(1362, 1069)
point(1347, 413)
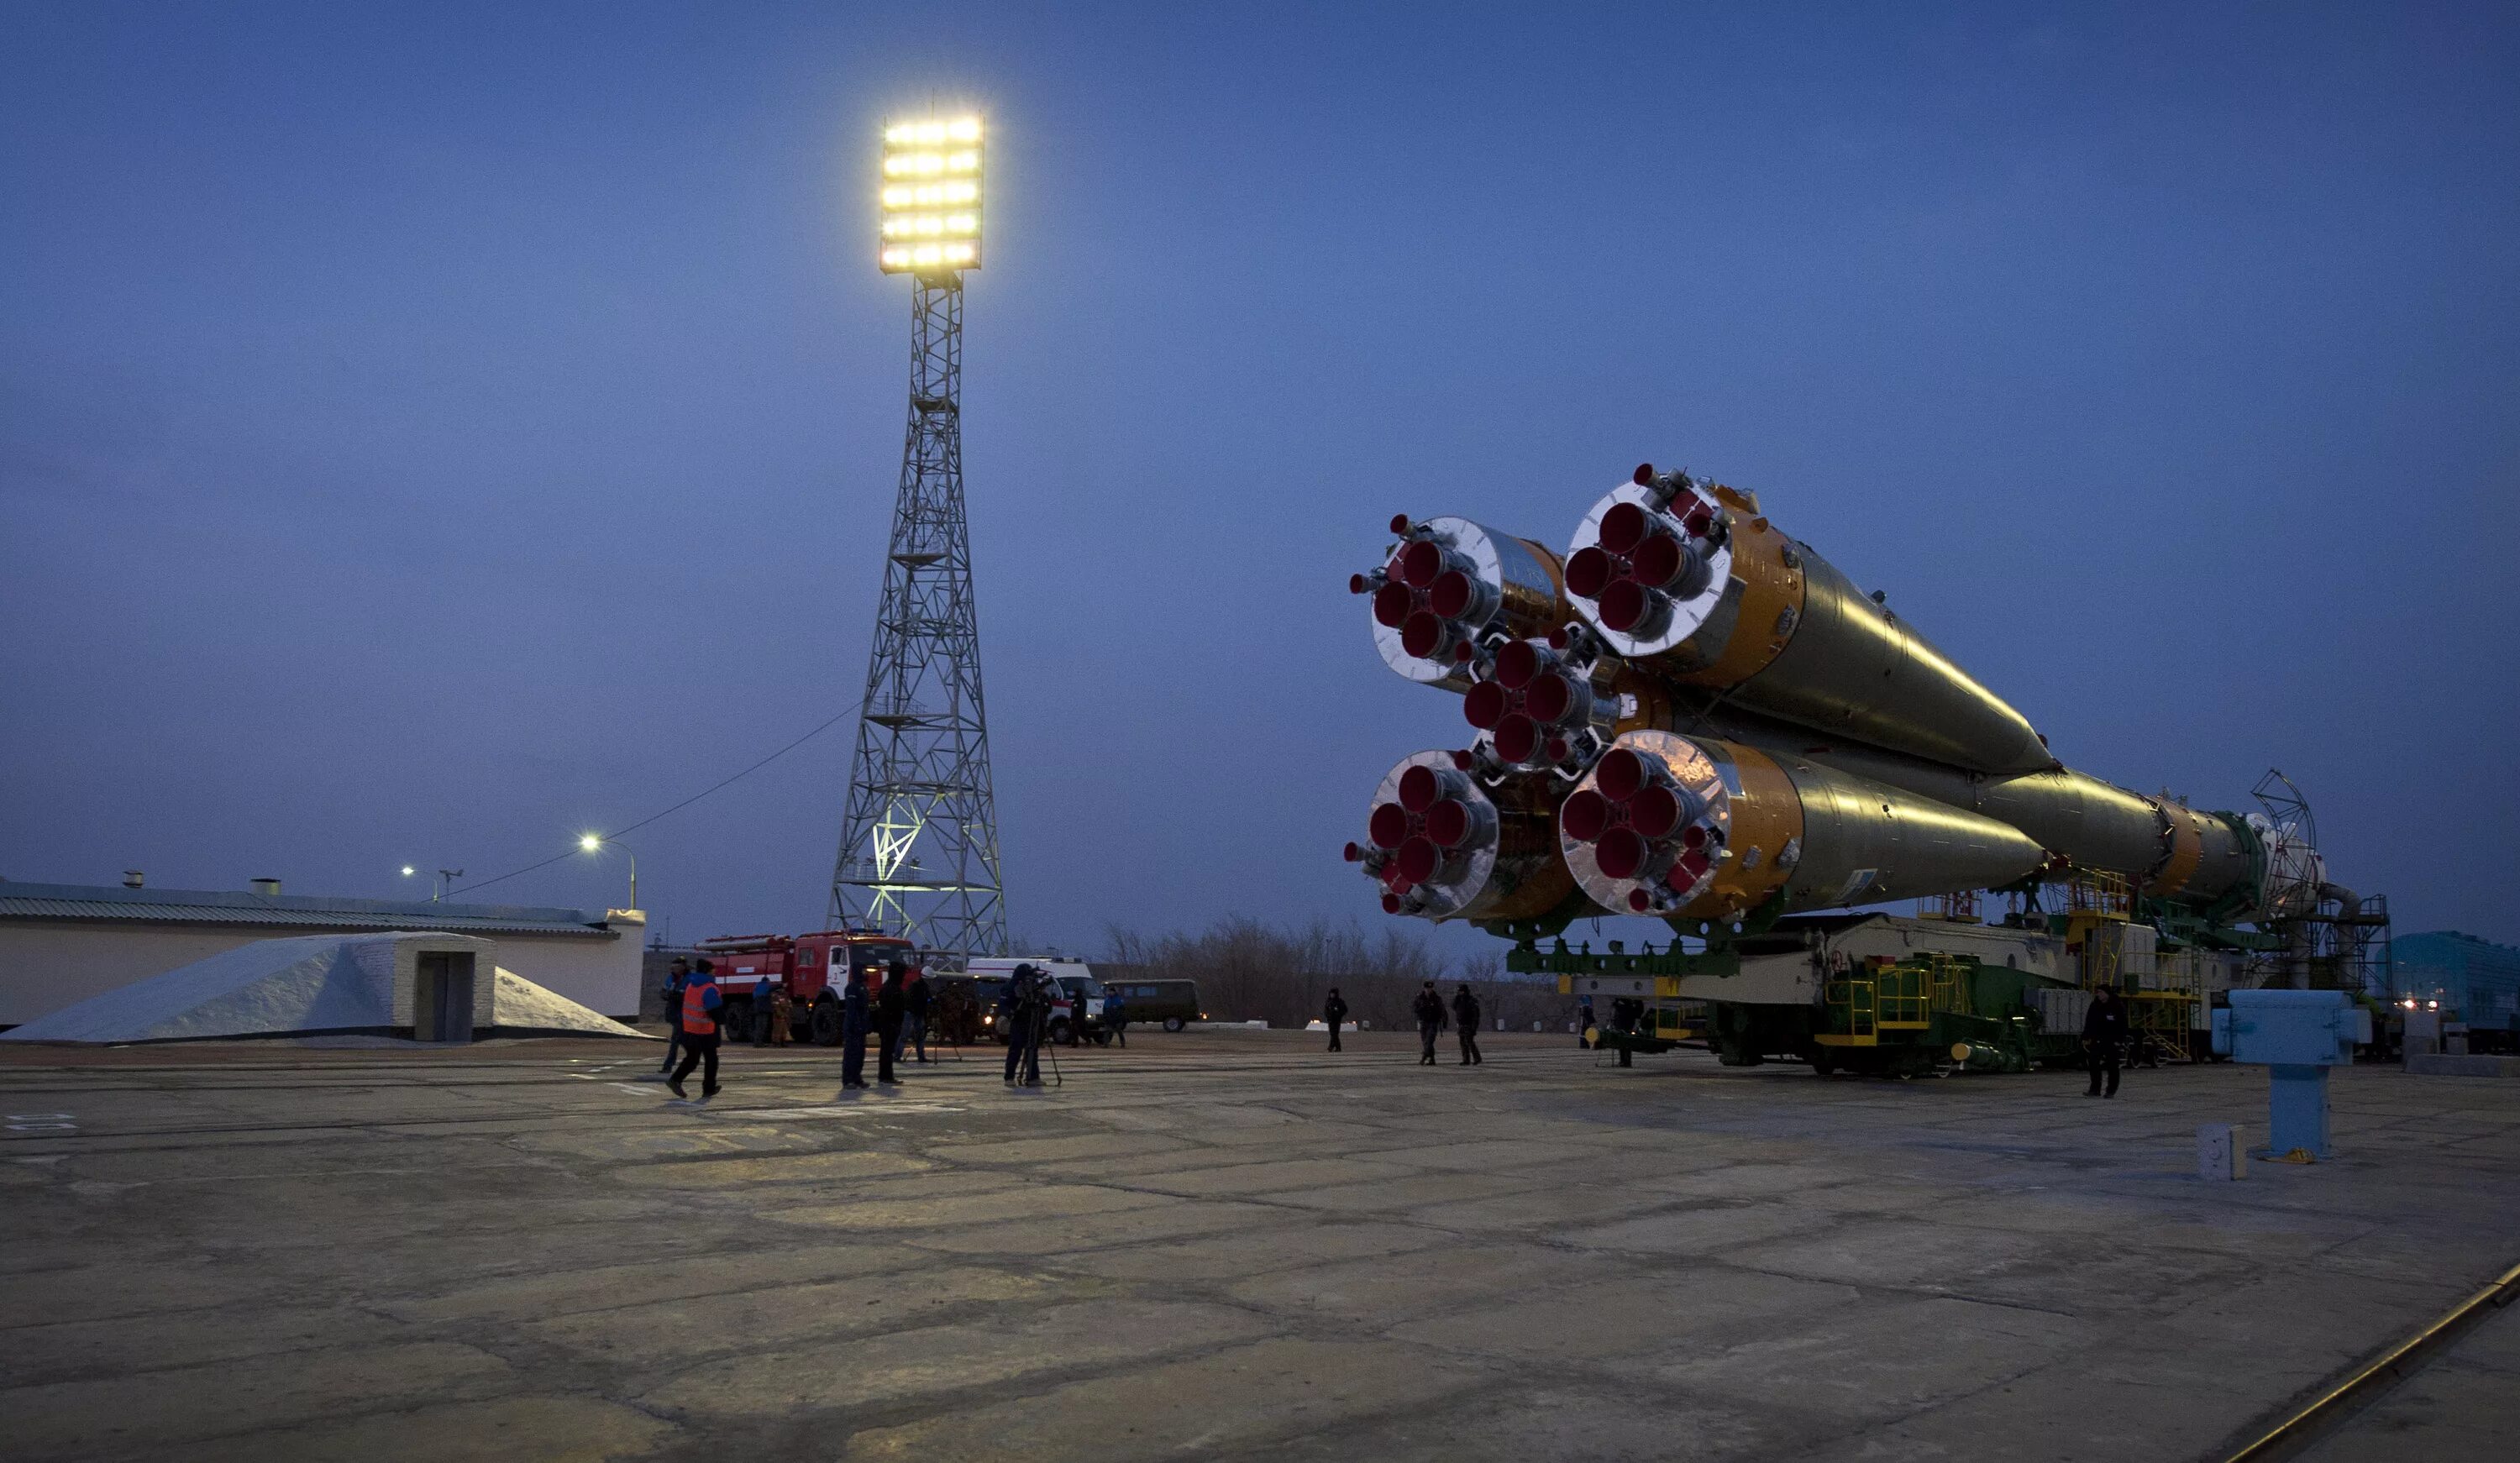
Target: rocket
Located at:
point(1690, 715)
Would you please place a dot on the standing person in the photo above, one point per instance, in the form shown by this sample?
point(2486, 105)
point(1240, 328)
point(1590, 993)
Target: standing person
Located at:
point(782, 1015)
point(1429, 1010)
point(890, 1006)
point(760, 1009)
point(2104, 1030)
point(855, 1018)
point(1465, 1013)
point(677, 976)
point(1333, 1016)
point(916, 1000)
point(700, 1004)
point(1116, 1016)
point(1020, 1011)
point(1584, 1024)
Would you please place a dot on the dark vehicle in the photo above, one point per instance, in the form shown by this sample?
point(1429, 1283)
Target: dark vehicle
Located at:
point(1174, 1003)
point(1075, 1010)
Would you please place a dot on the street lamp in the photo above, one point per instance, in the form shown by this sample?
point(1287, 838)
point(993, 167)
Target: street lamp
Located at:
point(446, 878)
point(592, 842)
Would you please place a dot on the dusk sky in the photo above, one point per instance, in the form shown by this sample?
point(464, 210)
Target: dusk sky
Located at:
point(429, 431)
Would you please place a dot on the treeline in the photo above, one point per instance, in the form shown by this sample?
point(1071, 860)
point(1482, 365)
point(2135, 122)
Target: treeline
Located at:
point(1250, 970)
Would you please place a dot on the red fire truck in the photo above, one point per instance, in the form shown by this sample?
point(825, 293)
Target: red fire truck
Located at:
point(813, 967)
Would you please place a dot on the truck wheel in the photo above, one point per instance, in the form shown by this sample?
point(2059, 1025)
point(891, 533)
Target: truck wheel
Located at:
point(1063, 1033)
point(1101, 1039)
point(826, 1023)
point(1173, 1023)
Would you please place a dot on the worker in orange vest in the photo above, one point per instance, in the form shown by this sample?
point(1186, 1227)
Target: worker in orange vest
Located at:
point(700, 1004)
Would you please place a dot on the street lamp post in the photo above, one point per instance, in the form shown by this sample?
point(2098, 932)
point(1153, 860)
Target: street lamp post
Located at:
point(592, 842)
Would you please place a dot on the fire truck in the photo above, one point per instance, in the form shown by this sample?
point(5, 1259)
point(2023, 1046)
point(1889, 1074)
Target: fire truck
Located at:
point(814, 968)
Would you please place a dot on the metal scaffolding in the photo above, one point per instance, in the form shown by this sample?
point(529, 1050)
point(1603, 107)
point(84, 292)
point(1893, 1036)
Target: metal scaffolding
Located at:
point(919, 847)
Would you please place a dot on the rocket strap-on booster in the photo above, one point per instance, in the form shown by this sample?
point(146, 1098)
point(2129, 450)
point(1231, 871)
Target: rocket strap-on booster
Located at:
point(1690, 716)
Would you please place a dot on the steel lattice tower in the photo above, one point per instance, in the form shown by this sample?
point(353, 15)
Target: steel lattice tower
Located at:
point(918, 849)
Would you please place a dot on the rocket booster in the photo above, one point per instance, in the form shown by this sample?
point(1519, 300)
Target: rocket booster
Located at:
point(1690, 713)
point(1688, 580)
point(1691, 827)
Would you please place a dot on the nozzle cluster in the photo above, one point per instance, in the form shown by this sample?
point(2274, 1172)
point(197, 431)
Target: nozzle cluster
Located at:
point(1644, 824)
point(1654, 548)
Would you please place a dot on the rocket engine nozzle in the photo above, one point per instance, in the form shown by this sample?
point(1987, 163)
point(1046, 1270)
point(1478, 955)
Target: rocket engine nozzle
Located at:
point(1651, 559)
point(1649, 821)
point(1535, 708)
point(1442, 843)
point(1452, 587)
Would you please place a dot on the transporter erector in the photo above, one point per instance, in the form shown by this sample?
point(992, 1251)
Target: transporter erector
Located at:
point(1692, 717)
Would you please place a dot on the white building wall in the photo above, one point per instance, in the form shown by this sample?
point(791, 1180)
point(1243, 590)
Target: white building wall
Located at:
point(48, 965)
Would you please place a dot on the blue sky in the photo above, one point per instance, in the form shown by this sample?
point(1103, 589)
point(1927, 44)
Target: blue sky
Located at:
point(427, 431)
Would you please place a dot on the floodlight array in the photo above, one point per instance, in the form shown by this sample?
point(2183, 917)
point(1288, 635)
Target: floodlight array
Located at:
point(932, 196)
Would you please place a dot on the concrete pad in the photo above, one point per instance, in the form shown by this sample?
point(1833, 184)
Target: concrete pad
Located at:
point(1900, 1252)
point(1504, 1153)
point(1745, 1180)
point(1541, 1421)
point(1263, 1177)
point(688, 1138)
point(1406, 1193)
point(942, 1208)
point(134, 1287)
point(1385, 1290)
point(1538, 1208)
point(665, 1332)
point(1052, 1149)
point(546, 1429)
point(1234, 1255)
point(1240, 1399)
point(70, 1350)
point(1724, 1229)
point(524, 1298)
point(1641, 1319)
point(1129, 1226)
point(113, 1415)
point(959, 1359)
point(1857, 1362)
point(799, 1168)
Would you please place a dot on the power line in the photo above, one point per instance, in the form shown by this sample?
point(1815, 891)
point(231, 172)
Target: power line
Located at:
point(844, 715)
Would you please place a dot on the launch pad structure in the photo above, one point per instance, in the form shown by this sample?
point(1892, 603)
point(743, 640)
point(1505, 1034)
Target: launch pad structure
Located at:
point(919, 842)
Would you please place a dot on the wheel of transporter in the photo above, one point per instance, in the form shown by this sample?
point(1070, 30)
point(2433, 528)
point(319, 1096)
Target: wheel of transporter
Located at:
point(826, 1023)
point(1173, 1023)
point(1063, 1033)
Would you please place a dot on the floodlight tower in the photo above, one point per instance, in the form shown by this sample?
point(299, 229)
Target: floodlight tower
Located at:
point(919, 847)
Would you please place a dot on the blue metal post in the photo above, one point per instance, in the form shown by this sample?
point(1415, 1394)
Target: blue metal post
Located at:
point(2297, 1110)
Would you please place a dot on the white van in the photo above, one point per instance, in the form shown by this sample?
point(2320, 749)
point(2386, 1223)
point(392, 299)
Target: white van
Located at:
point(1076, 1013)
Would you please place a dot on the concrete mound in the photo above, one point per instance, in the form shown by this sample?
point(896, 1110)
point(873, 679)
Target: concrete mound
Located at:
point(312, 985)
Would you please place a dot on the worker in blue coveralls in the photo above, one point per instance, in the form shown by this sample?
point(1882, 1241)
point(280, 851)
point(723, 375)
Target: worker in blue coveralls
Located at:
point(857, 1018)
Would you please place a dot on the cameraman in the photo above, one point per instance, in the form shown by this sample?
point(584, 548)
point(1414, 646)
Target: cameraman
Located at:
point(1023, 1011)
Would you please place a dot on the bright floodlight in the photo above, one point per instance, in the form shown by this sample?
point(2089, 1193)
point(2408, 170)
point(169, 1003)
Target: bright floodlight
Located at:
point(589, 842)
point(932, 196)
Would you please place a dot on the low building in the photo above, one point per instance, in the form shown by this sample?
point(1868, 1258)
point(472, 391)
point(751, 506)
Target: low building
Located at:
point(63, 943)
point(2476, 979)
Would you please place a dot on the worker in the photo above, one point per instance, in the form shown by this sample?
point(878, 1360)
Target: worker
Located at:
point(916, 1000)
point(677, 976)
point(782, 1015)
point(1021, 1013)
point(700, 1004)
point(1115, 1017)
point(1584, 1024)
point(1334, 1016)
point(761, 1012)
point(2104, 1031)
point(1429, 1010)
point(854, 1021)
point(890, 1006)
point(1465, 1013)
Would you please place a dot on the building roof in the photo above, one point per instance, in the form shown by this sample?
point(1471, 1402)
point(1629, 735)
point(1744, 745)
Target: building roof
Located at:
point(115, 904)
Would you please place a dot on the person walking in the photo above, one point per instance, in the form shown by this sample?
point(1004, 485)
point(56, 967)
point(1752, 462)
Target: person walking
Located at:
point(1429, 1010)
point(677, 976)
point(1020, 1013)
point(1333, 1016)
point(1116, 1016)
point(2104, 1030)
point(782, 1015)
point(855, 1018)
point(915, 1003)
point(1465, 1014)
point(890, 1006)
point(700, 1004)
point(1584, 1024)
point(761, 990)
